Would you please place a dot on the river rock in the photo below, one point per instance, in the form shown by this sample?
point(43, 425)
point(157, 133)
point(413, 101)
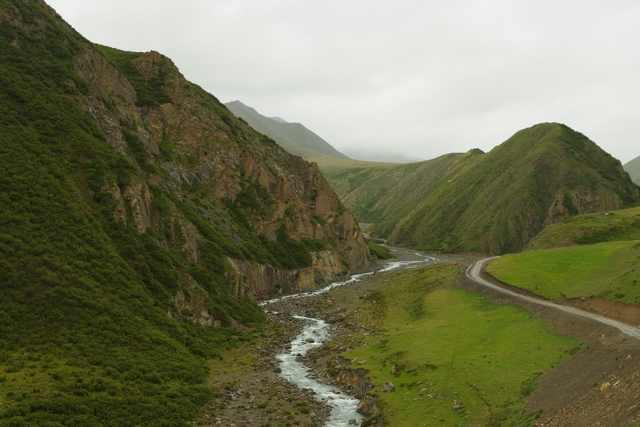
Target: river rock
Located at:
point(388, 386)
point(368, 405)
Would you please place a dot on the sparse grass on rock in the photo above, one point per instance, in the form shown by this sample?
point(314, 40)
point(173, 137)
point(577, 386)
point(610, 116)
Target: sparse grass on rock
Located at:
point(381, 252)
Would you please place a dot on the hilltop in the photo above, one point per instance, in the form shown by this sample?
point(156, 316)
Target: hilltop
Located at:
point(140, 223)
point(492, 202)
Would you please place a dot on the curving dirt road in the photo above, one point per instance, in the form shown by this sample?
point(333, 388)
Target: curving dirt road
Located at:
point(473, 273)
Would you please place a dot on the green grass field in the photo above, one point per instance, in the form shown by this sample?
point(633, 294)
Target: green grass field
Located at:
point(588, 229)
point(457, 359)
point(609, 270)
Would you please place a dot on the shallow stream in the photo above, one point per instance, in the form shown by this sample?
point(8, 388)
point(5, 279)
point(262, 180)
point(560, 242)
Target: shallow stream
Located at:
point(317, 331)
point(343, 406)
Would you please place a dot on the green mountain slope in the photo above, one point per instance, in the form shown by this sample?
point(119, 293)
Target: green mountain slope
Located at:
point(497, 202)
point(291, 136)
point(633, 169)
point(140, 221)
point(381, 192)
point(607, 270)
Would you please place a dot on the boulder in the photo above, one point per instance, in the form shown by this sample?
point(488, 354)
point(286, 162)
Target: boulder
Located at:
point(388, 387)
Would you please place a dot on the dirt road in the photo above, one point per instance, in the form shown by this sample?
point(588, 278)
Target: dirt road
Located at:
point(473, 272)
point(599, 386)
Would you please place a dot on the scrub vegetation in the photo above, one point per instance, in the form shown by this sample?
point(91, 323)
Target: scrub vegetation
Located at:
point(86, 339)
point(92, 330)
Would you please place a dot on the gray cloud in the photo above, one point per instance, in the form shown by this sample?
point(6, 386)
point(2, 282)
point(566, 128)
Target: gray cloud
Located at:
point(417, 78)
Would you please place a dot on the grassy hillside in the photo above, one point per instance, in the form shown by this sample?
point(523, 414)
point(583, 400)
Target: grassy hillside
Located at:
point(584, 256)
point(454, 358)
point(85, 333)
point(494, 202)
point(608, 270)
point(118, 225)
point(608, 226)
point(382, 192)
point(633, 169)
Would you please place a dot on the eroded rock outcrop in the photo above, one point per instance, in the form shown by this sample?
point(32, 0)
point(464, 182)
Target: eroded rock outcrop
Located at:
point(181, 139)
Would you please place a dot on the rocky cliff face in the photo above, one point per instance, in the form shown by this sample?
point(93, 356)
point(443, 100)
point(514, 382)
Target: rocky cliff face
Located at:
point(139, 222)
point(234, 212)
point(208, 150)
point(580, 201)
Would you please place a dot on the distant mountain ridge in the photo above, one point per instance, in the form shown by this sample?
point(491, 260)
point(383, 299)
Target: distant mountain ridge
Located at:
point(290, 136)
point(492, 202)
point(633, 169)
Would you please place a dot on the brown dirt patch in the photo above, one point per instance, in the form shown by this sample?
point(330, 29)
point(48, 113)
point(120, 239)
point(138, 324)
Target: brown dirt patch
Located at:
point(623, 312)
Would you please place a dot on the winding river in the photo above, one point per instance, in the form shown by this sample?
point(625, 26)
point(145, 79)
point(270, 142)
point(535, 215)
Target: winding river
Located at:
point(317, 331)
point(343, 406)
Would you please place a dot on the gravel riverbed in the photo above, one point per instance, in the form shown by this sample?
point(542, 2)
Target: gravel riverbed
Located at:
point(248, 387)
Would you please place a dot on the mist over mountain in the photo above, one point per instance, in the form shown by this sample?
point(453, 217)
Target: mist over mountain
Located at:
point(291, 136)
point(381, 156)
point(633, 169)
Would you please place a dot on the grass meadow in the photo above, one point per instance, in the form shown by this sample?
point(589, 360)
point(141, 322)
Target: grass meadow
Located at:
point(609, 270)
point(455, 358)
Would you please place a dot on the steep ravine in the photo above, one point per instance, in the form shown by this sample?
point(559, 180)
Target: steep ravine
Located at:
point(139, 215)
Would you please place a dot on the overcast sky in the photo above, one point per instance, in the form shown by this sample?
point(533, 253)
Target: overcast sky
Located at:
point(410, 78)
